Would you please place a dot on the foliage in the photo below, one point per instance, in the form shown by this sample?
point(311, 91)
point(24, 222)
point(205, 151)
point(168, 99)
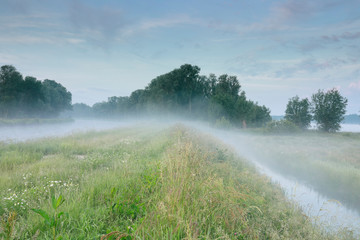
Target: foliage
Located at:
point(329, 109)
point(223, 123)
point(52, 220)
point(30, 97)
point(7, 224)
point(281, 126)
point(298, 112)
point(184, 92)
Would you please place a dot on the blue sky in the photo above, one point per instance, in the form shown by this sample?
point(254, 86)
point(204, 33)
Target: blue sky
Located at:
point(97, 49)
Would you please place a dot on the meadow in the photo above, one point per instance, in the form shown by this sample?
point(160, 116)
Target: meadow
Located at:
point(142, 182)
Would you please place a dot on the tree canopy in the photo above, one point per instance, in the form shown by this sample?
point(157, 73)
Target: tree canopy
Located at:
point(29, 97)
point(183, 91)
point(329, 109)
point(298, 112)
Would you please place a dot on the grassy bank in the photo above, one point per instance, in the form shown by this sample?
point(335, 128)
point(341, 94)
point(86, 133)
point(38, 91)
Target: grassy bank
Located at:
point(328, 162)
point(141, 183)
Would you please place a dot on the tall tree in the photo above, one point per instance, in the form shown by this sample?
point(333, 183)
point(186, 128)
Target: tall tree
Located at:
point(10, 88)
point(57, 98)
point(329, 109)
point(298, 112)
point(32, 97)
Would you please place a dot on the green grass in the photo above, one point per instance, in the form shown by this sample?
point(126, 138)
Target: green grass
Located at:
point(142, 183)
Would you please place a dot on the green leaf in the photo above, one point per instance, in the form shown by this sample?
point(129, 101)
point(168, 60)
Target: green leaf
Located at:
point(53, 202)
point(60, 214)
point(44, 214)
point(57, 202)
point(60, 201)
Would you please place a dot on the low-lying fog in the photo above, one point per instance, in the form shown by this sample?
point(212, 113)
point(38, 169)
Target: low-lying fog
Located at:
point(29, 132)
point(313, 202)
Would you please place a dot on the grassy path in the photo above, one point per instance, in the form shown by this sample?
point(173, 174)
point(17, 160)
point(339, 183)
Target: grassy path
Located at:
point(142, 183)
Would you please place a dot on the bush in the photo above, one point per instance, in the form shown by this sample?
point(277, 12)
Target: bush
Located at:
point(223, 123)
point(281, 126)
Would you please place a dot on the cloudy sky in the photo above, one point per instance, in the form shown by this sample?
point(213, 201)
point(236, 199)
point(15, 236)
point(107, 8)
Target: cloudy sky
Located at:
point(97, 49)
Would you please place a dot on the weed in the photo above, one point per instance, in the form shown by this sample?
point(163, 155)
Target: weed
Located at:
point(8, 224)
point(52, 220)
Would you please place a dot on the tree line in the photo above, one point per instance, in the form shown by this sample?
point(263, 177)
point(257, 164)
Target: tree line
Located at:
point(28, 97)
point(184, 92)
point(181, 92)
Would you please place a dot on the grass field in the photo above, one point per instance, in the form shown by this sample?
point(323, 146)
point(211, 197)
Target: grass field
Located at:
point(141, 183)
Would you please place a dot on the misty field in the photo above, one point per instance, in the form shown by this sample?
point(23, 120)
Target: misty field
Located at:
point(329, 163)
point(143, 183)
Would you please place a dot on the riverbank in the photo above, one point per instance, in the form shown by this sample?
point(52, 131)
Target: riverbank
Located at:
point(147, 183)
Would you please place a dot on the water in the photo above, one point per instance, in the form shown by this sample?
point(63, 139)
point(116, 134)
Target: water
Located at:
point(345, 127)
point(350, 128)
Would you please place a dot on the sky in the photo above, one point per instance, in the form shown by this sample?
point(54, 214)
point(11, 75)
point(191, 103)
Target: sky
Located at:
point(98, 49)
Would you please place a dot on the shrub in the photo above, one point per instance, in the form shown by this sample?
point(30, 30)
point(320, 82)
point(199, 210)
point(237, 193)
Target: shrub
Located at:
point(281, 126)
point(223, 123)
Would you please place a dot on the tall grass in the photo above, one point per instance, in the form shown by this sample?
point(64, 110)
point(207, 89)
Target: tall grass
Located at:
point(143, 183)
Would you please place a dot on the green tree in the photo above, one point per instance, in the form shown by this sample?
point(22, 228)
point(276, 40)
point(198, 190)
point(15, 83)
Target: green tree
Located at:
point(298, 112)
point(329, 109)
point(57, 98)
point(10, 88)
point(32, 97)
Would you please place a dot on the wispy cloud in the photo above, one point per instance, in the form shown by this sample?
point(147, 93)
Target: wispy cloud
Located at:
point(311, 65)
point(343, 36)
point(155, 23)
point(101, 24)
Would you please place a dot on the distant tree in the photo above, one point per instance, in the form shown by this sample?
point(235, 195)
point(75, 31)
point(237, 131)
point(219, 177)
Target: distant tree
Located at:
point(188, 83)
point(298, 112)
point(224, 96)
point(81, 110)
point(329, 109)
point(257, 116)
point(57, 98)
point(32, 97)
point(10, 88)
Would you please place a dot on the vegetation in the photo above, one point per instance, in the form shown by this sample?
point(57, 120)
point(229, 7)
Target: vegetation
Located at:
point(141, 183)
point(183, 92)
point(329, 109)
point(281, 127)
point(29, 97)
point(298, 112)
